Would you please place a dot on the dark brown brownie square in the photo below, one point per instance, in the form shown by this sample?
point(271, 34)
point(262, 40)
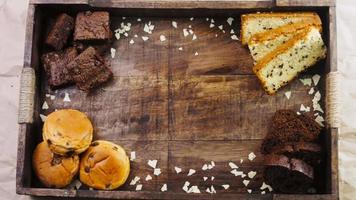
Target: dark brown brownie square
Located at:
point(60, 32)
point(89, 70)
point(92, 26)
point(55, 65)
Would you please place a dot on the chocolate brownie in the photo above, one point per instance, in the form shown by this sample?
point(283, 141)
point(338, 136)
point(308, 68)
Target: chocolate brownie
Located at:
point(55, 65)
point(288, 175)
point(313, 127)
point(306, 151)
point(60, 32)
point(92, 26)
point(89, 70)
point(283, 116)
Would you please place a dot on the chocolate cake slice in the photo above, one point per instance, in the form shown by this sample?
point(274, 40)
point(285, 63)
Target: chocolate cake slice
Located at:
point(60, 32)
point(92, 26)
point(89, 70)
point(285, 175)
point(55, 65)
point(306, 151)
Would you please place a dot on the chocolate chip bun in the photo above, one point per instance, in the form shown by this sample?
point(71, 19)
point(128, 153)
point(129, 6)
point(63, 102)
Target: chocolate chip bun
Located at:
point(54, 170)
point(67, 131)
point(104, 165)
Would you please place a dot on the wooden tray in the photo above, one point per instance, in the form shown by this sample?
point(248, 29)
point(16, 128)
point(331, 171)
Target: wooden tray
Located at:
point(174, 106)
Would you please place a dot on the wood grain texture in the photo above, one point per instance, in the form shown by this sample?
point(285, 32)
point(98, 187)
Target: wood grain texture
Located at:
point(171, 105)
point(287, 3)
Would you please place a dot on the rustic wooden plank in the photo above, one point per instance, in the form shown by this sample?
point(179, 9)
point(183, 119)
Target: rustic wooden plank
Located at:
point(305, 3)
point(185, 4)
point(332, 40)
point(227, 107)
point(302, 197)
point(333, 161)
point(58, 1)
point(194, 154)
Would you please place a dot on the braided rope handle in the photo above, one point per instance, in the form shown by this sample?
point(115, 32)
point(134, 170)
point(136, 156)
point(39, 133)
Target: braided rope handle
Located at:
point(27, 95)
point(333, 99)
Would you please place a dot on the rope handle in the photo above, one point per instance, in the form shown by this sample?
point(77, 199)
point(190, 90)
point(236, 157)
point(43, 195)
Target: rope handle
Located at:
point(333, 99)
point(27, 95)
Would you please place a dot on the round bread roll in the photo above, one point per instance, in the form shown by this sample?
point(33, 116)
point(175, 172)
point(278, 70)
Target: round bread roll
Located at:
point(54, 170)
point(68, 131)
point(104, 165)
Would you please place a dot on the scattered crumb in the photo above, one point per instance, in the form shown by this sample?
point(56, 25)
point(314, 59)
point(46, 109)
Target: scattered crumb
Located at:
point(138, 187)
point(298, 113)
point(319, 119)
point(232, 31)
point(263, 192)
point(207, 19)
point(229, 20)
point(233, 165)
point(212, 163)
point(251, 174)
point(194, 37)
point(221, 27)
point(212, 189)
point(210, 166)
point(249, 191)
point(208, 190)
point(117, 35)
point(126, 34)
point(185, 186)
point(306, 81)
point(212, 20)
point(264, 186)
point(237, 173)
point(191, 172)
point(134, 180)
point(157, 171)
point(212, 178)
point(152, 163)
point(123, 17)
point(132, 41)
point(234, 37)
point(192, 18)
point(45, 105)
point(113, 52)
point(52, 97)
point(245, 182)
point(66, 97)
point(316, 79)
point(77, 184)
point(185, 32)
point(133, 155)
point(91, 188)
point(178, 170)
point(139, 19)
point(194, 189)
point(225, 186)
point(135, 35)
point(47, 95)
point(148, 177)
point(196, 53)
point(162, 38)
point(148, 28)
point(211, 25)
point(164, 187)
point(304, 109)
point(241, 160)
point(288, 94)
point(205, 178)
point(205, 167)
point(251, 156)
point(144, 38)
point(311, 91)
point(216, 35)
point(174, 24)
point(180, 48)
point(190, 30)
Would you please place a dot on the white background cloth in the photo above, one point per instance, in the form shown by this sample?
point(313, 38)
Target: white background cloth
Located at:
point(12, 38)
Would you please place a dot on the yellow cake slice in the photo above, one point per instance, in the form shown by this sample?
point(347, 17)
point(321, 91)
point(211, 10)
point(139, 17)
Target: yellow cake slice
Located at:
point(283, 64)
point(261, 22)
point(261, 44)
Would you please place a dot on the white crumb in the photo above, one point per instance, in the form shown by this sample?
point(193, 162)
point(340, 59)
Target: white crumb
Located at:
point(117, 35)
point(249, 191)
point(211, 25)
point(139, 19)
point(311, 91)
point(126, 34)
point(234, 37)
point(245, 182)
point(319, 119)
point(316, 79)
point(43, 117)
point(232, 31)
point(241, 160)
point(225, 186)
point(66, 97)
point(212, 20)
point(162, 38)
point(263, 192)
point(205, 178)
point(208, 190)
point(190, 30)
point(185, 32)
point(212, 189)
point(251, 156)
point(185, 186)
point(306, 81)
point(132, 155)
point(210, 166)
point(191, 172)
point(212, 178)
point(304, 109)
point(317, 107)
point(180, 48)
point(229, 20)
point(144, 38)
point(48, 95)
point(194, 189)
point(134, 180)
point(288, 94)
point(237, 173)
point(178, 170)
point(233, 165)
point(45, 105)
point(152, 163)
point(194, 37)
point(212, 163)
point(123, 17)
point(251, 174)
point(196, 53)
point(207, 19)
point(216, 35)
point(52, 97)
point(138, 187)
point(113, 52)
point(135, 35)
point(164, 187)
point(132, 41)
point(192, 18)
point(157, 171)
point(298, 113)
point(148, 177)
point(221, 27)
point(264, 186)
point(205, 167)
point(174, 24)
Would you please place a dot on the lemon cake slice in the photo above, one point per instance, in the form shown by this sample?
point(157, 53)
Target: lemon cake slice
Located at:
point(260, 22)
point(283, 64)
point(263, 43)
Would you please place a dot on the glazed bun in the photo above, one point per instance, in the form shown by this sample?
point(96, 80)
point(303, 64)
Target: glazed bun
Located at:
point(54, 170)
point(68, 131)
point(104, 165)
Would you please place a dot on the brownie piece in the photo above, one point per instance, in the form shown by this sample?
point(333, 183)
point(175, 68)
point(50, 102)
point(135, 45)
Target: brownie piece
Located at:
point(60, 32)
point(313, 127)
point(92, 26)
point(283, 116)
point(288, 175)
point(89, 70)
point(306, 151)
point(55, 65)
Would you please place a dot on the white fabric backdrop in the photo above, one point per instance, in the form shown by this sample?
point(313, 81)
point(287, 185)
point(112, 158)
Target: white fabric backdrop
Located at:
point(12, 39)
